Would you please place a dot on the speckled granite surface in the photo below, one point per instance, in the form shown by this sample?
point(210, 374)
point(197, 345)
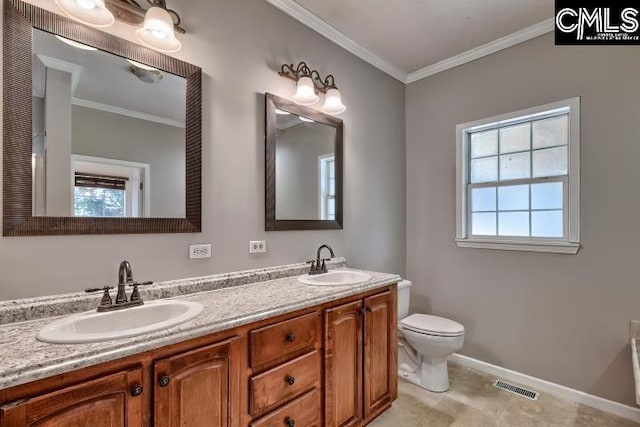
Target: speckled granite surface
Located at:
point(59, 305)
point(24, 359)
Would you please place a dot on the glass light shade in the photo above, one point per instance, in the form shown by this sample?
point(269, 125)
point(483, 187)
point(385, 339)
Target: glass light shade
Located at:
point(157, 32)
point(333, 102)
point(305, 92)
point(90, 12)
point(306, 119)
point(75, 44)
point(282, 112)
point(141, 66)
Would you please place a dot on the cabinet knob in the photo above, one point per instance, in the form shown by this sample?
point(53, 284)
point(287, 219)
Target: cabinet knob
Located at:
point(136, 390)
point(290, 422)
point(291, 337)
point(290, 380)
point(164, 381)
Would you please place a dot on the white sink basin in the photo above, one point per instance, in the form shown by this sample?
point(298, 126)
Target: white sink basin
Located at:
point(335, 278)
point(94, 327)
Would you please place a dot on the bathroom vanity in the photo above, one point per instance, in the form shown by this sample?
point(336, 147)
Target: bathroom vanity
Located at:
point(266, 353)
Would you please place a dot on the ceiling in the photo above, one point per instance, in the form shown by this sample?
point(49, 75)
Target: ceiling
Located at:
point(410, 39)
point(105, 82)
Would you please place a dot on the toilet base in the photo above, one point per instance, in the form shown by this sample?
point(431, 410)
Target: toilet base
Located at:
point(431, 375)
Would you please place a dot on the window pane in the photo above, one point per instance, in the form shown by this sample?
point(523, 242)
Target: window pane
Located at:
point(551, 132)
point(513, 224)
point(550, 162)
point(515, 138)
point(515, 166)
point(484, 170)
point(484, 144)
point(483, 199)
point(331, 207)
point(547, 196)
point(547, 224)
point(513, 198)
point(483, 224)
point(98, 202)
point(332, 168)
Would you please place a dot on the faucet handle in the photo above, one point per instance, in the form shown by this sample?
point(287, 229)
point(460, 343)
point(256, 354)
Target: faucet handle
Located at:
point(106, 298)
point(92, 290)
point(136, 284)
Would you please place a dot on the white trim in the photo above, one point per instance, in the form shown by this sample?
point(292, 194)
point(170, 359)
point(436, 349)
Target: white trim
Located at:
point(304, 16)
point(124, 112)
point(68, 67)
point(146, 187)
point(540, 385)
point(568, 245)
point(494, 46)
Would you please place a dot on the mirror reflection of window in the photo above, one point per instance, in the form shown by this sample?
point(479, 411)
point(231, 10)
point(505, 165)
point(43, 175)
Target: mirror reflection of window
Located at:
point(99, 196)
point(327, 168)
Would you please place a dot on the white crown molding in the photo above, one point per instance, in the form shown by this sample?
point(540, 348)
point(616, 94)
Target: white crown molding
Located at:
point(68, 67)
point(543, 386)
point(303, 15)
point(494, 46)
point(124, 112)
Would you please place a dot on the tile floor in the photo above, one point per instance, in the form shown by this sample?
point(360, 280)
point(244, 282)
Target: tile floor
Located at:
point(473, 401)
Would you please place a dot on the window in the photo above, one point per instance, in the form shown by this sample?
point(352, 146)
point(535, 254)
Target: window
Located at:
point(327, 190)
point(518, 180)
point(99, 196)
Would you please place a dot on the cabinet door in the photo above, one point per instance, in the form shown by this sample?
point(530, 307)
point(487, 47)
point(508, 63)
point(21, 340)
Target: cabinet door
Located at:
point(110, 401)
point(380, 353)
point(343, 365)
point(199, 388)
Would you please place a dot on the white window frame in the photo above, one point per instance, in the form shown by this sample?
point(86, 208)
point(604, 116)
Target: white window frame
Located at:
point(570, 243)
point(323, 178)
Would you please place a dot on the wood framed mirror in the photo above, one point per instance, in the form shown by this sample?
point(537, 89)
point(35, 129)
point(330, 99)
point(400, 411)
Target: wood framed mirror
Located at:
point(68, 166)
point(303, 167)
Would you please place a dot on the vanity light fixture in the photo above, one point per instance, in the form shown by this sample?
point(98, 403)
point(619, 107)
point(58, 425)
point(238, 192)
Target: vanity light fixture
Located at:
point(158, 24)
point(282, 112)
point(142, 66)
point(306, 119)
point(309, 83)
point(76, 44)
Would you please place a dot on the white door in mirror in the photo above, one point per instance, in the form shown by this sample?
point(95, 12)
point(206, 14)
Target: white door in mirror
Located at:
point(335, 278)
point(95, 327)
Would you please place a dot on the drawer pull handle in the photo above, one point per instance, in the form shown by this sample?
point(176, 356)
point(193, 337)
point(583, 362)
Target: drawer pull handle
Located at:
point(291, 337)
point(290, 422)
point(164, 381)
point(136, 390)
point(290, 380)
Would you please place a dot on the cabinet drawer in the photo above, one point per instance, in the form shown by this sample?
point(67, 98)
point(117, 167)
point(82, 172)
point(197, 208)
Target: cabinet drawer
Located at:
point(277, 385)
point(301, 412)
point(284, 340)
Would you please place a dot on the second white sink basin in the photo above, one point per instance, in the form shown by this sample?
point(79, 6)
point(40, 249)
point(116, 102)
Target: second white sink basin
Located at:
point(335, 278)
point(94, 327)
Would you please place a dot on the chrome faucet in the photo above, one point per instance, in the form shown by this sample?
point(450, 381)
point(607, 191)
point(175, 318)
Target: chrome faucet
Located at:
point(316, 267)
point(125, 278)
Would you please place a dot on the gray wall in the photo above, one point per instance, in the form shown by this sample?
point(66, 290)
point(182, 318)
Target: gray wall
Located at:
point(563, 318)
point(114, 136)
point(297, 151)
point(241, 45)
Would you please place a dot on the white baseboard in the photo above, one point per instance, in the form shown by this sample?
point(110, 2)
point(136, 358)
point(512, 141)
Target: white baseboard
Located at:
point(542, 386)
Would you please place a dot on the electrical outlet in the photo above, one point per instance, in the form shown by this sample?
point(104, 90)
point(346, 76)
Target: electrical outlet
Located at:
point(257, 246)
point(200, 251)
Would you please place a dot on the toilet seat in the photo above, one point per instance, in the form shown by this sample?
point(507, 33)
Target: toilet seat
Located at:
point(432, 325)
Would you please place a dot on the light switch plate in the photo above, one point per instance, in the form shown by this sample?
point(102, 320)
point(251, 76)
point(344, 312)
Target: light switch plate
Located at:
point(257, 246)
point(200, 251)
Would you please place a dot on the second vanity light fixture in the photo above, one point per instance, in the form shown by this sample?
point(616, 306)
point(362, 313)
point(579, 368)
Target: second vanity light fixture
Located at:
point(158, 23)
point(309, 82)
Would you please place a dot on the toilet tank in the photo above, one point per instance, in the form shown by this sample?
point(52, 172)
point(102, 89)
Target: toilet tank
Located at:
point(404, 292)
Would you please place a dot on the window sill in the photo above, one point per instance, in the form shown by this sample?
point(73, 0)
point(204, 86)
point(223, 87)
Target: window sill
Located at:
point(523, 246)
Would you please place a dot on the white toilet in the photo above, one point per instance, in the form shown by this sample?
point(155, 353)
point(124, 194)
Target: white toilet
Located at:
point(424, 344)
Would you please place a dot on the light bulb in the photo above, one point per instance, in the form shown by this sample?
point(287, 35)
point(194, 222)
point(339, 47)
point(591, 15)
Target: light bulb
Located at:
point(89, 12)
point(305, 92)
point(333, 102)
point(157, 32)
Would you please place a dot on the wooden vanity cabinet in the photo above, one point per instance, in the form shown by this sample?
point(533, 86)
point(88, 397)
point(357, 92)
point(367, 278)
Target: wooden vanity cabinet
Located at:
point(110, 401)
point(330, 365)
point(198, 388)
point(360, 360)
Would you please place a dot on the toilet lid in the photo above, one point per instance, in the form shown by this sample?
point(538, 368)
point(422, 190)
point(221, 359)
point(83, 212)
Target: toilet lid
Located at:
point(432, 325)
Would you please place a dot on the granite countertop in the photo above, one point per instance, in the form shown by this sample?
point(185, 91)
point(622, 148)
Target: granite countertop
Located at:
point(24, 359)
